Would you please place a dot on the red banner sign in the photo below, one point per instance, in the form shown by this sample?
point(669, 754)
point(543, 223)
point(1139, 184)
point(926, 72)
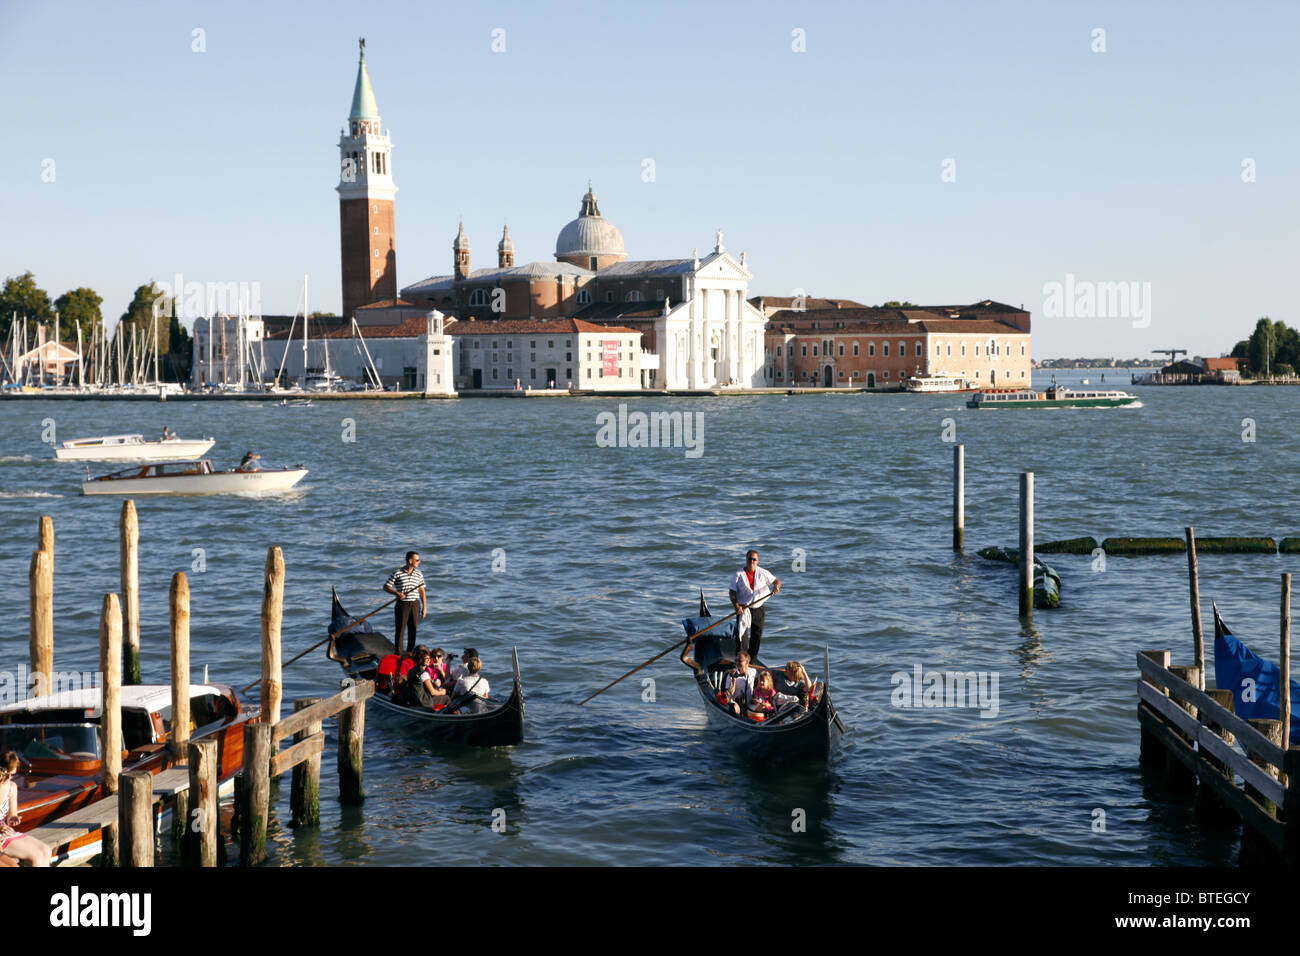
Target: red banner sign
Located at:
point(609, 356)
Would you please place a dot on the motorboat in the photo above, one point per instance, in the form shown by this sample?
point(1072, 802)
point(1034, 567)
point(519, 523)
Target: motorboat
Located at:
point(192, 478)
point(60, 748)
point(133, 448)
point(1057, 396)
point(939, 382)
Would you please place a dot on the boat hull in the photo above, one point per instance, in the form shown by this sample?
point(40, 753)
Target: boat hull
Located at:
point(813, 736)
point(219, 483)
point(1063, 403)
point(143, 451)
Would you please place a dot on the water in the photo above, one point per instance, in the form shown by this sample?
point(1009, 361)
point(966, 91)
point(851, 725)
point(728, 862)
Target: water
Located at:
point(604, 551)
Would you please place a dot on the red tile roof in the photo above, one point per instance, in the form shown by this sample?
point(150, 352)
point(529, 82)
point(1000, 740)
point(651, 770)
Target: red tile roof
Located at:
point(533, 326)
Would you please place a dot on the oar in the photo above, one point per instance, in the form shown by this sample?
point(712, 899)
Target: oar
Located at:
point(342, 630)
point(679, 644)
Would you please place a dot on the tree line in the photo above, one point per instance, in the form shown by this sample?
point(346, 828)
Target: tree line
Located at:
point(1272, 349)
point(77, 308)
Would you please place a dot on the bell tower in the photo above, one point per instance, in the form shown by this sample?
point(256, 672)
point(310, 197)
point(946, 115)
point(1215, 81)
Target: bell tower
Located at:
point(366, 192)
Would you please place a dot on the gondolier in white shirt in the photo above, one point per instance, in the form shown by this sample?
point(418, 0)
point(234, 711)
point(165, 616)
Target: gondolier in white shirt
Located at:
point(408, 584)
point(752, 583)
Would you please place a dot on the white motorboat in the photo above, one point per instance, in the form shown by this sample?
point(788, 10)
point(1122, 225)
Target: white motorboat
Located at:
point(192, 478)
point(133, 448)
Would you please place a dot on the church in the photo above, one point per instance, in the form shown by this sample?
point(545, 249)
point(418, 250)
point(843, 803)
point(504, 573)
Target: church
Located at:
point(697, 329)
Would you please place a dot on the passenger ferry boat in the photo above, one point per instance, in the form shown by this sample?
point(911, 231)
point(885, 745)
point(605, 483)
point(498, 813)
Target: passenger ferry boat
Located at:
point(939, 382)
point(1058, 396)
point(191, 478)
point(132, 448)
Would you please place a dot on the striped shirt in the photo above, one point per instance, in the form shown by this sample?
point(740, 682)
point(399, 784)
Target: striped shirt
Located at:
point(407, 583)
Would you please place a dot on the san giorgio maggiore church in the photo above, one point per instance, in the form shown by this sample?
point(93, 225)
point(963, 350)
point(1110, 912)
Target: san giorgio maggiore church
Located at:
point(592, 319)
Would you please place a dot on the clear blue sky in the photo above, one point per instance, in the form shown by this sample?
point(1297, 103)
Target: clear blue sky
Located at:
point(825, 166)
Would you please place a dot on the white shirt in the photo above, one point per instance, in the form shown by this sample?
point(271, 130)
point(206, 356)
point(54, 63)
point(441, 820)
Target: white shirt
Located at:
point(455, 671)
point(738, 686)
point(467, 685)
point(763, 580)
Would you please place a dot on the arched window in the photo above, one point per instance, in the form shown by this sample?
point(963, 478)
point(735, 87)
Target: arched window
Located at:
point(584, 297)
point(478, 297)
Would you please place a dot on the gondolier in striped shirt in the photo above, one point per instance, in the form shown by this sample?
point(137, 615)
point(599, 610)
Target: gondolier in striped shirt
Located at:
point(408, 584)
point(752, 583)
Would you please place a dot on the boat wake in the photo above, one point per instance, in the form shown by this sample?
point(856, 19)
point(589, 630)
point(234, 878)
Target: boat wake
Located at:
point(12, 459)
point(29, 494)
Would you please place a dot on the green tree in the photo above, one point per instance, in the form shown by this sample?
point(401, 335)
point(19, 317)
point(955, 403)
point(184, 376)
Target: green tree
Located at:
point(893, 304)
point(180, 353)
point(78, 307)
point(1259, 347)
point(140, 314)
point(23, 296)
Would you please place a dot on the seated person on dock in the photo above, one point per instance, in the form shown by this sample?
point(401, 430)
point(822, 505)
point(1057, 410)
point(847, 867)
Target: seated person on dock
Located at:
point(738, 685)
point(15, 845)
point(472, 686)
point(793, 681)
point(420, 688)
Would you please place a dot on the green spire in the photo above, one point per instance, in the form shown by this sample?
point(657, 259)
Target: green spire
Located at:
point(363, 98)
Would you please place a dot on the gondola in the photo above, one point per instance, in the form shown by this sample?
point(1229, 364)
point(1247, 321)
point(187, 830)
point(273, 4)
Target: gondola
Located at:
point(359, 652)
point(791, 733)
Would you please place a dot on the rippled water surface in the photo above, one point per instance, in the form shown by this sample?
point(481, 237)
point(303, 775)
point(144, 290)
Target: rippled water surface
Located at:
point(605, 549)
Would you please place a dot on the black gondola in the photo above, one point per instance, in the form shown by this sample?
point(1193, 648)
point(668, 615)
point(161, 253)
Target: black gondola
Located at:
point(359, 652)
point(790, 733)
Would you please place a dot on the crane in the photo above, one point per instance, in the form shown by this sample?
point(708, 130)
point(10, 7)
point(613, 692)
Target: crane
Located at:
point(1172, 353)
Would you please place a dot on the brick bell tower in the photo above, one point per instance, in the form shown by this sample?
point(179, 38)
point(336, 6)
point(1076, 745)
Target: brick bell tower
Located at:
point(366, 192)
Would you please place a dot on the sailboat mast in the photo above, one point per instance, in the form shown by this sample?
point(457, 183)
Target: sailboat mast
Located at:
point(305, 313)
point(156, 378)
point(81, 369)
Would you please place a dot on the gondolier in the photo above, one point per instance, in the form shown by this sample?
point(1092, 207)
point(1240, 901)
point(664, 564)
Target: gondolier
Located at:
point(752, 583)
point(408, 584)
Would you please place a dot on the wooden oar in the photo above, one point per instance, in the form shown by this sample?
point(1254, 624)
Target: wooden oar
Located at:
point(688, 640)
point(342, 630)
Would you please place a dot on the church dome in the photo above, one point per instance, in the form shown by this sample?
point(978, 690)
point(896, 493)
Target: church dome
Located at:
point(590, 235)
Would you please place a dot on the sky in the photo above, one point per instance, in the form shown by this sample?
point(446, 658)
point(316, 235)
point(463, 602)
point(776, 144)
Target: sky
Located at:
point(1039, 154)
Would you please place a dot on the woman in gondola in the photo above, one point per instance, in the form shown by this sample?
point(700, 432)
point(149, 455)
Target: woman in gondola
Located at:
point(421, 690)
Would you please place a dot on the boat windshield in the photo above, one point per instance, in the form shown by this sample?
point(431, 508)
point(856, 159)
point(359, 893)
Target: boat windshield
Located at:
point(51, 741)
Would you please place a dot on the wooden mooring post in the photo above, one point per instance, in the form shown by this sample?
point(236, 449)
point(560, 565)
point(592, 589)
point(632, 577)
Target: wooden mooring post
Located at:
point(255, 793)
point(129, 541)
point(41, 625)
point(110, 722)
point(202, 823)
point(179, 617)
point(304, 796)
point(1194, 584)
point(1027, 544)
point(135, 818)
point(958, 497)
point(272, 614)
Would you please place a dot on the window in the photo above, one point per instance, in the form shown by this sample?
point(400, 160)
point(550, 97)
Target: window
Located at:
point(510, 343)
point(918, 350)
point(886, 348)
point(855, 348)
point(494, 374)
point(609, 296)
point(804, 350)
point(950, 348)
point(478, 297)
point(977, 348)
point(495, 343)
point(510, 373)
point(476, 343)
point(568, 373)
point(778, 350)
point(1022, 352)
point(963, 350)
point(871, 348)
point(938, 349)
point(588, 373)
point(568, 356)
point(532, 374)
point(885, 374)
point(550, 343)
point(902, 349)
point(814, 351)
point(841, 349)
point(532, 356)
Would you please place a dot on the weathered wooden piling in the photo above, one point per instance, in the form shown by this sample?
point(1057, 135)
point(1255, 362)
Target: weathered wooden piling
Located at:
point(272, 614)
point(256, 793)
point(110, 721)
point(200, 848)
point(129, 533)
point(45, 535)
point(958, 497)
point(1194, 584)
point(1026, 544)
point(135, 818)
point(179, 612)
point(1284, 717)
point(304, 795)
point(1151, 751)
point(41, 625)
point(1210, 808)
point(352, 729)
point(1179, 776)
point(1271, 729)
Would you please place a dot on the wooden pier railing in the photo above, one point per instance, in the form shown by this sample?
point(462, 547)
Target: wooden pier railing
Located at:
point(1195, 735)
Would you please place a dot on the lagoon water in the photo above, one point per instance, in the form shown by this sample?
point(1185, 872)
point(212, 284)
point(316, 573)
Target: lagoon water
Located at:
point(848, 499)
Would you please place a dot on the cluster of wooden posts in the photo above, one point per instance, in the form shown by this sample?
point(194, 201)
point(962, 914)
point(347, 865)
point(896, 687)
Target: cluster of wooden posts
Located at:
point(126, 816)
point(1191, 731)
point(1026, 555)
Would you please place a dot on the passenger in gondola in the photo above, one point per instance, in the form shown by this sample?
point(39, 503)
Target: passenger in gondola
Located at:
point(738, 685)
point(439, 671)
point(764, 698)
point(421, 691)
point(793, 681)
point(458, 669)
point(472, 688)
